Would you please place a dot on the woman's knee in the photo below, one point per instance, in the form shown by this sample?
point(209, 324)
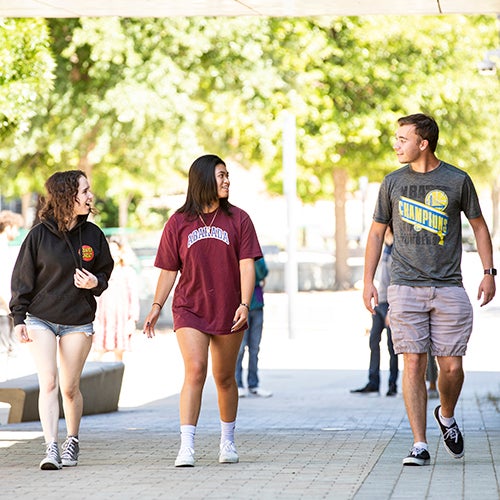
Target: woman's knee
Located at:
point(49, 384)
point(196, 372)
point(224, 380)
point(70, 392)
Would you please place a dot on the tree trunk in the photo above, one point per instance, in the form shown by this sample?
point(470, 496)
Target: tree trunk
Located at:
point(85, 165)
point(26, 210)
point(342, 271)
point(123, 204)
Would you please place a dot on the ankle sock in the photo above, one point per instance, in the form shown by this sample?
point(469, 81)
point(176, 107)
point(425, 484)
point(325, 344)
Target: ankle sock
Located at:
point(227, 431)
point(421, 445)
point(446, 421)
point(187, 436)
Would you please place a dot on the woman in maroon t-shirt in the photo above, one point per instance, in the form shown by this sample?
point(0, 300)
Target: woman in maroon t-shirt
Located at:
point(213, 245)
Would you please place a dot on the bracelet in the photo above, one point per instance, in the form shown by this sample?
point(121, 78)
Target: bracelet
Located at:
point(158, 304)
point(246, 305)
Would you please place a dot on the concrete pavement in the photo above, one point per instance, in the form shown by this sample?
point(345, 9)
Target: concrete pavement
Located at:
point(312, 439)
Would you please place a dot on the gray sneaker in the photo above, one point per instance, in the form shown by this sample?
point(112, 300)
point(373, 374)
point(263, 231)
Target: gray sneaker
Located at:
point(52, 460)
point(71, 449)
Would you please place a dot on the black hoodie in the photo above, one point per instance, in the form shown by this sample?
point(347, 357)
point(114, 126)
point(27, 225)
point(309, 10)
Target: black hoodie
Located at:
point(42, 280)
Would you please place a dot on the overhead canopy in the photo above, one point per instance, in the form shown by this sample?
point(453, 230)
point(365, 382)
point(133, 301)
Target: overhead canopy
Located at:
point(275, 8)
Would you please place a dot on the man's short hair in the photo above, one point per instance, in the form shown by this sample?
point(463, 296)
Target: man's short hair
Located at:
point(425, 126)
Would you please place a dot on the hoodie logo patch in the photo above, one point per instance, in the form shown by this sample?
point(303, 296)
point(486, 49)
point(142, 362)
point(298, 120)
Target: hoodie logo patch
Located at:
point(87, 253)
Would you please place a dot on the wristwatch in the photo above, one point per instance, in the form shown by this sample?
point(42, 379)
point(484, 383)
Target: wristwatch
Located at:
point(491, 271)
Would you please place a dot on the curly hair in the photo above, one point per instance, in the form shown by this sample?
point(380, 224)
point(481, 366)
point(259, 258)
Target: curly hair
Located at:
point(59, 202)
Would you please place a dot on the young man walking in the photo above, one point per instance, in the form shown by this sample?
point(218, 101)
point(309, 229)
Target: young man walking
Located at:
point(429, 307)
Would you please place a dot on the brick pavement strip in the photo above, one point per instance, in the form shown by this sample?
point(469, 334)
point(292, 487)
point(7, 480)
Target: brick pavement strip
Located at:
point(311, 440)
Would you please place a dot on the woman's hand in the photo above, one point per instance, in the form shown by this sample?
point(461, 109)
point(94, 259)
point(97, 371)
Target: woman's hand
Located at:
point(84, 279)
point(240, 318)
point(150, 321)
point(22, 333)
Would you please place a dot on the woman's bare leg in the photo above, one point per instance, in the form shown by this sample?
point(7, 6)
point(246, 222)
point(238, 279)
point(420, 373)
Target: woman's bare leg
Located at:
point(224, 350)
point(44, 352)
point(193, 345)
point(73, 351)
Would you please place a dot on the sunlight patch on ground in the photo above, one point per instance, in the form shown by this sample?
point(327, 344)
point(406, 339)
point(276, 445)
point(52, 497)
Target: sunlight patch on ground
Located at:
point(10, 438)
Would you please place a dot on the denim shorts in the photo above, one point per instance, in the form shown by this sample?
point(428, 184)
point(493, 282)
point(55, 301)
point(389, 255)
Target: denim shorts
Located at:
point(34, 323)
point(435, 317)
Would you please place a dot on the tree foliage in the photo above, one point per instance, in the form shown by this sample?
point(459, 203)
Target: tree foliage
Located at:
point(26, 80)
point(135, 100)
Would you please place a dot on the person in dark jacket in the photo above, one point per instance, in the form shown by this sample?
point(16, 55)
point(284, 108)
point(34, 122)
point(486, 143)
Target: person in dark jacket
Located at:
point(63, 263)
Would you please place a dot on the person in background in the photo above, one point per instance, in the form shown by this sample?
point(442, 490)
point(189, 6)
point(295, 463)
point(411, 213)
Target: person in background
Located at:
point(63, 263)
point(117, 307)
point(10, 222)
point(252, 337)
point(213, 245)
point(380, 321)
point(423, 200)
point(431, 375)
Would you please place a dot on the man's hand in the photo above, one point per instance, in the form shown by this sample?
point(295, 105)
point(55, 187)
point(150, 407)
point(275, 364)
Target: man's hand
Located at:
point(487, 289)
point(370, 297)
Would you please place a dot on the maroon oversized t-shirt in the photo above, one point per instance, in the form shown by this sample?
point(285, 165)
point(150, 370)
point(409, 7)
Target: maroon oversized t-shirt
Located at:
point(208, 292)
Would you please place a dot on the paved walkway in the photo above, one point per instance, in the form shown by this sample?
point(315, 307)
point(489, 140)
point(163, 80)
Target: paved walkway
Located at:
point(312, 439)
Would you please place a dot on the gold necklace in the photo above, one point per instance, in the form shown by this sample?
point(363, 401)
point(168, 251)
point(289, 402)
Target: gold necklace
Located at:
point(211, 222)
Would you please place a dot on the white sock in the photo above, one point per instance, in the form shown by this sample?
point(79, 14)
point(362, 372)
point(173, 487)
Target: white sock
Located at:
point(445, 420)
point(187, 436)
point(227, 431)
point(421, 445)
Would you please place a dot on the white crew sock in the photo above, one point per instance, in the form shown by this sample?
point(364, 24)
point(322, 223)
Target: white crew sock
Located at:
point(187, 436)
point(445, 420)
point(421, 445)
point(227, 431)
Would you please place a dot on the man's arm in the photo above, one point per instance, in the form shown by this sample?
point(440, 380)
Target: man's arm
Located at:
point(485, 250)
point(372, 256)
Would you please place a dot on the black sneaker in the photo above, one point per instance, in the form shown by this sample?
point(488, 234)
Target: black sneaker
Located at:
point(452, 437)
point(367, 389)
point(417, 456)
point(392, 391)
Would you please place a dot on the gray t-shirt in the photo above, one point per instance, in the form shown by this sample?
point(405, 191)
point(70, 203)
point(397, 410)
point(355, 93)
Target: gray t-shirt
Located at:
point(425, 210)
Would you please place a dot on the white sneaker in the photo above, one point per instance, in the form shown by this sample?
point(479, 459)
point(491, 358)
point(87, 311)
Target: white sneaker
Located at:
point(242, 392)
point(259, 392)
point(185, 458)
point(228, 453)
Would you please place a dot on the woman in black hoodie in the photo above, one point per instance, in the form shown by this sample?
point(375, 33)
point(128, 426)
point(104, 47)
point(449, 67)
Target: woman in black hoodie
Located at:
point(63, 263)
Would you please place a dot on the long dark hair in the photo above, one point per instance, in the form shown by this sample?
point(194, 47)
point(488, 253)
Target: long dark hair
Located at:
point(59, 202)
point(202, 187)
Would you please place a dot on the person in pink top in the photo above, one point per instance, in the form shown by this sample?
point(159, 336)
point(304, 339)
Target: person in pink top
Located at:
point(212, 244)
point(118, 307)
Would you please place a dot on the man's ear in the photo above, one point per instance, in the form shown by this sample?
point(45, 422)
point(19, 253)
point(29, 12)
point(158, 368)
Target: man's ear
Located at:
point(424, 144)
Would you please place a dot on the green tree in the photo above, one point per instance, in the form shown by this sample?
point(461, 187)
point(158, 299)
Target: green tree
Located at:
point(135, 99)
point(26, 80)
point(355, 76)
